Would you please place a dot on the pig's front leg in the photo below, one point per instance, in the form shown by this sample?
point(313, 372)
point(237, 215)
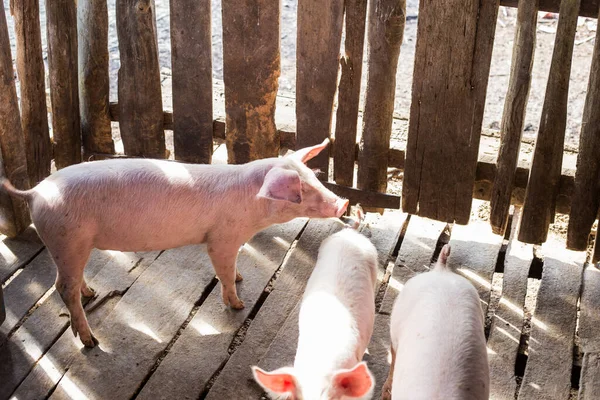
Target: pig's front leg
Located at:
point(386, 391)
point(223, 256)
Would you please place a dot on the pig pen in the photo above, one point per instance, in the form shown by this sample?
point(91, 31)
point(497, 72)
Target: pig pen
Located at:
point(163, 331)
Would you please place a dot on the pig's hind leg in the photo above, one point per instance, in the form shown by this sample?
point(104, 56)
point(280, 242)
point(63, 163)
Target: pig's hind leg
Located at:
point(224, 258)
point(386, 391)
point(70, 259)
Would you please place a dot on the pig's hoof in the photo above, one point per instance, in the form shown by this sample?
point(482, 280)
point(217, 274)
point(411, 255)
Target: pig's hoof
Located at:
point(237, 304)
point(234, 302)
point(90, 342)
point(87, 291)
point(386, 392)
point(238, 277)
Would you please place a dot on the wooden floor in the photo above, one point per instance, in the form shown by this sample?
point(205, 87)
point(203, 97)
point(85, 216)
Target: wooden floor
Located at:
point(165, 334)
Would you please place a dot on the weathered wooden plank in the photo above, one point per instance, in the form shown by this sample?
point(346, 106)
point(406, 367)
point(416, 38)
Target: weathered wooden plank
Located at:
point(140, 326)
point(140, 100)
point(372, 199)
point(349, 92)
point(287, 291)
point(251, 67)
point(211, 331)
point(589, 318)
point(513, 116)
point(61, 21)
point(2, 307)
point(13, 162)
point(507, 324)
point(586, 198)
point(589, 383)
point(548, 371)
point(384, 232)
point(26, 289)
point(589, 335)
point(16, 252)
point(443, 139)
point(379, 356)
point(30, 69)
point(118, 271)
point(414, 257)
point(381, 231)
point(92, 28)
point(480, 72)
point(386, 30)
point(191, 60)
point(40, 330)
point(475, 250)
point(589, 8)
point(542, 190)
point(317, 53)
point(52, 365)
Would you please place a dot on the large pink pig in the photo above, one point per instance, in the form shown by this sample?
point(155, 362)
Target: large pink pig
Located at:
point(438, 343)
point(144, 205)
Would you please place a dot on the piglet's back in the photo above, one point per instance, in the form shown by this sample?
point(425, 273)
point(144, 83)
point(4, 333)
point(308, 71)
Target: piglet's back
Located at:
point(437, 333)
point(336, 317)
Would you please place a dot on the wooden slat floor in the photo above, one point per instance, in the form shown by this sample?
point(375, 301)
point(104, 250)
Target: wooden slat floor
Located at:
point(164, 334)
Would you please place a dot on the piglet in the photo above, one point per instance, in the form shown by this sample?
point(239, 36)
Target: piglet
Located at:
point(438, 343)
point(335, 326)
point(145, 205)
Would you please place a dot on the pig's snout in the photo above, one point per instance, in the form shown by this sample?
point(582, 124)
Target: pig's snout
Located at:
point(342, 205)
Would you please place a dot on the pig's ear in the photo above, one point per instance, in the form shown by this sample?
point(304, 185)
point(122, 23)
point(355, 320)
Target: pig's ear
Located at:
point(307, 153)
point(280, 381)
point(355, 382)
point(282, 184)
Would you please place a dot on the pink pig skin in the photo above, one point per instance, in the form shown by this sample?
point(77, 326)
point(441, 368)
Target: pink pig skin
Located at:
point(335, 325)
point(438, 343)
point(143, 205)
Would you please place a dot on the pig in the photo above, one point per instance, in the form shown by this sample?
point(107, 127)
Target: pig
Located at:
point(335, 325)
point(146, 205)
point(437, 339)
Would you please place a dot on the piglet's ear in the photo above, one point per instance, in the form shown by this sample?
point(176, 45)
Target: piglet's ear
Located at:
point(355, 382)
point(308, 153)
point(280, 381)
point(282, 184)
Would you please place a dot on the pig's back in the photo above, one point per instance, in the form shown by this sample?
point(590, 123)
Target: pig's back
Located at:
point(125, 204)
point(437, 332)
point(338, 306)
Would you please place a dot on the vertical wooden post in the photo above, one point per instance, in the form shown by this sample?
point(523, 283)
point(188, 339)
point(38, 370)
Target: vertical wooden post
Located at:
point(191, 59)
point(317, 53)
point(30, 69)
point(251, 67)
point(92, 18)
point(61, 20)
point(140, 98)
point(596, 255)
point(447, 107)
point(544, 178)
point(349, 92)
point(386, 31)
point(586, 198)
point(513, 116)
point(14, 216)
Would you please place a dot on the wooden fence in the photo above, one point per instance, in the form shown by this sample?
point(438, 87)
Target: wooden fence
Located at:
point(442, 172)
